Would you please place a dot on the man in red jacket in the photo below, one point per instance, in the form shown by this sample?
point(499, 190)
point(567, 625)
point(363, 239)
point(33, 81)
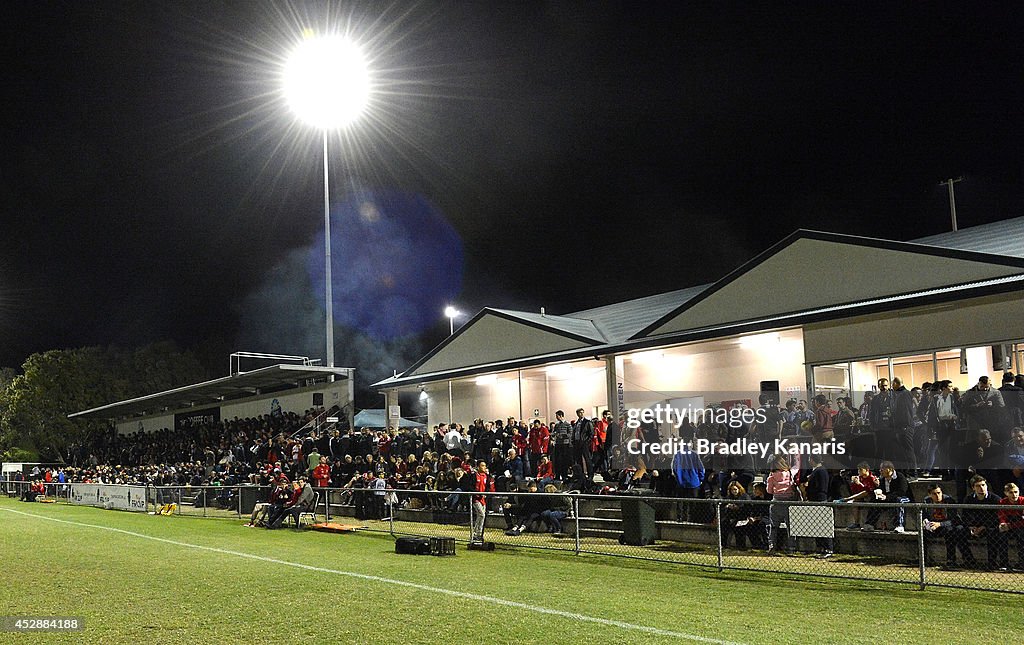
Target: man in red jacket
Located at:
point(322, 474)
point(482, 482)
point(540, 442)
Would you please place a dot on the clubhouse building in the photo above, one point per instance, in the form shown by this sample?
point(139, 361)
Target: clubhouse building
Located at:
point(816, 313)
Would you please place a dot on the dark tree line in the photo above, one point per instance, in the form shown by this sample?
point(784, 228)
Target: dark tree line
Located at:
point(34, 403)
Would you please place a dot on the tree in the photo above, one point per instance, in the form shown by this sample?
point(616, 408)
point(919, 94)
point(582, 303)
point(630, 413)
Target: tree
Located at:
point(34, 405)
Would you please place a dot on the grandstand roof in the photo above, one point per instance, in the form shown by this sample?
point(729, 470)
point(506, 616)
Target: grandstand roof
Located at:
point(243, 384)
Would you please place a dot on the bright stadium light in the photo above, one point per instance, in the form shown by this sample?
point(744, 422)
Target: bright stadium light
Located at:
point(327, 84)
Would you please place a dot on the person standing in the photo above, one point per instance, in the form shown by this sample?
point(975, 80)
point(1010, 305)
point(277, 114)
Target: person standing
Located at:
point(781, 487)
point(904, 413)
point(582, 457)
point(561, 453)
point(880, 417)
point(817, 491)
point(539, 440)
point(481, 482)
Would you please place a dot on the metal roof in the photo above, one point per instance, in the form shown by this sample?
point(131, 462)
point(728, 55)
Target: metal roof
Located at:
point(998, 238)
point(620, 320)
point(243, 384)
point(570, 324)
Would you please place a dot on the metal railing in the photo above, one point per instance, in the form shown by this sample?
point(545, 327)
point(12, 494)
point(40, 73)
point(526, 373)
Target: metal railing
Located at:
point(782, 537)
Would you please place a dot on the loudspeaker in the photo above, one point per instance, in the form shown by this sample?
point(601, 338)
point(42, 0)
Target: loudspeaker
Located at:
point(771, 388)
point(1000, 358)
point(318, 398)
point(481, 546)
point(412, 546)
point(638, 526)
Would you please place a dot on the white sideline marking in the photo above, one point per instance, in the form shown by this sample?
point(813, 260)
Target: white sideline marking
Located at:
point(402, 583)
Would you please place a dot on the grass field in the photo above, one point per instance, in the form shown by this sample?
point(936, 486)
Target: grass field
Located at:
point(190, 580)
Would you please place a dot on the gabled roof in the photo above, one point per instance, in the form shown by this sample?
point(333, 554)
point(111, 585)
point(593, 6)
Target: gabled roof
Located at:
point(818, 269)
point(575, 326)
point(522, 334)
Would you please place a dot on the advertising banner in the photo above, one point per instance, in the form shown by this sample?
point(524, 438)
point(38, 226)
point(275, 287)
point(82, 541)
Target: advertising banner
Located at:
point(122, 498)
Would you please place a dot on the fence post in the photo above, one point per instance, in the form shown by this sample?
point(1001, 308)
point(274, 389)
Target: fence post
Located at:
point(327, 504)
point(921, 549)
point(471, 518)
point(718, 533)
point(206, 498)
point(576, 514)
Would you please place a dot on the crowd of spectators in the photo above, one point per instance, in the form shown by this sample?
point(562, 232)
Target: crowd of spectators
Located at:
point(896, 435)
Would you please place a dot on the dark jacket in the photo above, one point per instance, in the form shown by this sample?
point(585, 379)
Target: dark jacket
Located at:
point(741, 510)
point(904, 410)
point(936, 512)
point(582, 433)
point(817, 485)
point(982, 517)
point(898, 486)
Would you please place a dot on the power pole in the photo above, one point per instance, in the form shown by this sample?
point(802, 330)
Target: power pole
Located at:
point(952, 199)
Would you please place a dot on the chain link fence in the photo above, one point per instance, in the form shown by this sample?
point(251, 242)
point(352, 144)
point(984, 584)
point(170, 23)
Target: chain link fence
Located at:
point(949, 545)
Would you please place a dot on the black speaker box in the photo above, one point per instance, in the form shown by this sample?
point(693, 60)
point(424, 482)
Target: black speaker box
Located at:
point(412, 546)
point(481, 546)
point(771, 388)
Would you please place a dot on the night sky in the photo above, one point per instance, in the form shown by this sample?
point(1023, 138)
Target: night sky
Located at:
point(515, 154)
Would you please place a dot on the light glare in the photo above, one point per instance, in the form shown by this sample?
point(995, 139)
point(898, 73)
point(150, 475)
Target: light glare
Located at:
point(326, 82)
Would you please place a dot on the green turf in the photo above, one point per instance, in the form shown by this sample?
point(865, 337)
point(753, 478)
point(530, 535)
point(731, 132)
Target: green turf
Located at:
point(134, 590)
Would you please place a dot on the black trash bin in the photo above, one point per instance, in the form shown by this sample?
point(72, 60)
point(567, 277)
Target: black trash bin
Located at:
point(250, 495)
point(638, 528)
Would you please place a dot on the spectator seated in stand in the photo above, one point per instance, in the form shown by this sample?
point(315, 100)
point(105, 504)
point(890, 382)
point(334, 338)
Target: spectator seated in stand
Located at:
point(558, 508)
point(983, 523)
point(946, 523)
point(893, 488)
point(862, 489)
point(735, 515)
point(757, 521)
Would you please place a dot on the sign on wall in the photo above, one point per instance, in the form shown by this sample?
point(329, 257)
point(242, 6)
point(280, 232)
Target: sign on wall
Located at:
point(198, 418)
